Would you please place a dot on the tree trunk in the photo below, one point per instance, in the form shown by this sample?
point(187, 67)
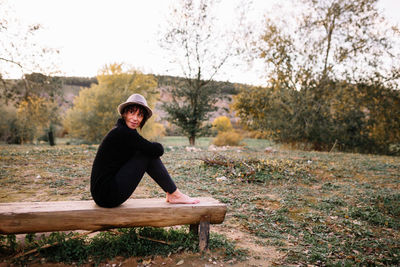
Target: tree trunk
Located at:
point(50, 135)
point(192, 140)
point(51, 138)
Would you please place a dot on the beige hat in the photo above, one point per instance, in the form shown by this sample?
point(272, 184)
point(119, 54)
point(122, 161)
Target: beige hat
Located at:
point(135, 99)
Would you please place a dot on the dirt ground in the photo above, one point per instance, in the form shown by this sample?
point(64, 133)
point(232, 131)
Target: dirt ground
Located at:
point(183, 259)
point(258, 255)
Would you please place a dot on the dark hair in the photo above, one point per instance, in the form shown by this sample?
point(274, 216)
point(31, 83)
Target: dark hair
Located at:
point(134, 108)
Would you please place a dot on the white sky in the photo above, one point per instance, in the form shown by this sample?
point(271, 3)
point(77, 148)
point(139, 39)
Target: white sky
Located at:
point(92, 33)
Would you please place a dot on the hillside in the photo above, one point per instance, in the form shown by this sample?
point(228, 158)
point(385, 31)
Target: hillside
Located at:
point(72, 85)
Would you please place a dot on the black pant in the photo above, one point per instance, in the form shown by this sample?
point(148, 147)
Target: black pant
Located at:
point(128, 177)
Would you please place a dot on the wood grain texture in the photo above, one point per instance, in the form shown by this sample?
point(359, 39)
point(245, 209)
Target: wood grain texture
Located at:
point(204, 233)
point(34, 217)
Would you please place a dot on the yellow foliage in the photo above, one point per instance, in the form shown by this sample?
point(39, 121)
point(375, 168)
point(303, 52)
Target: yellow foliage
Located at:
point(228, 138)
point(94, 111)
point(33, 115)
point(260, 134)
point(153, 130)
point(222, 124)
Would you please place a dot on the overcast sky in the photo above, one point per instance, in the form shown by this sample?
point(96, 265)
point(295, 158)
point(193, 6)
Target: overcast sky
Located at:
point(92, 33)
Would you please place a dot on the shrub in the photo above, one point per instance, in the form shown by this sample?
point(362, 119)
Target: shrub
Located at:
point(230, 138)
point(153, 130)
point(258, 134)
point(222, 124)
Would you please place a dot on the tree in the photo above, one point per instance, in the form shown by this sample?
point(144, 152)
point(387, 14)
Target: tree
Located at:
point(338, 48)
point(34, 114)
point(37, 96)
point(200, 49)
point(95, 109)
point(353, 39)
point(20, 52)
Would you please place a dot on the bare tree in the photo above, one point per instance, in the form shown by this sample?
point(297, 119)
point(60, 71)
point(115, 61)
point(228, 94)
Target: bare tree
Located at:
point(21, 53)
point(200, 46)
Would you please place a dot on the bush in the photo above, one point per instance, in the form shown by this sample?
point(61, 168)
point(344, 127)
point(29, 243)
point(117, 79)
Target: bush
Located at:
point(258, 134)
point(230, 138)
point(222, 124)
point(153, 130)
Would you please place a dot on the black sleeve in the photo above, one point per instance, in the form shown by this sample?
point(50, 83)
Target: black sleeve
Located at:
point(133, 140)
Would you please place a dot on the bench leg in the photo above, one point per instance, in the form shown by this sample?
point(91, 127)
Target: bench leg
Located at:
point(204, 233)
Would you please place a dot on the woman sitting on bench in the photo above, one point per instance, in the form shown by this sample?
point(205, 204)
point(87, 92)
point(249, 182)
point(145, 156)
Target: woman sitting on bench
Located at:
point(124, 156)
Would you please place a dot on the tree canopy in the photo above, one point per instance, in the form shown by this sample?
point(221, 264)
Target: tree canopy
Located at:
point(332, 78)
point(94, 111)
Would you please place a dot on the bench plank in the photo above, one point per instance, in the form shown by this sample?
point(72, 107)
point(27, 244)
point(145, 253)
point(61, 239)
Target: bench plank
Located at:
point(35, 217)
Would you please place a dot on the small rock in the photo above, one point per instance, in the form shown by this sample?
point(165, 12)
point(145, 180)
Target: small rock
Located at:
point(192, 149)
point(219, 148)
point(212, 148)
point(180, 262)
point(221, 179)
point(269, 150)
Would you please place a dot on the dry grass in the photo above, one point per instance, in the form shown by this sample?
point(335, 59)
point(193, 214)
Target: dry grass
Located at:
point(299, 207)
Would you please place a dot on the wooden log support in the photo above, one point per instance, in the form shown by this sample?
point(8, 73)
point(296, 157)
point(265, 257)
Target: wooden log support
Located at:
point(204, 233)
point(35, 217)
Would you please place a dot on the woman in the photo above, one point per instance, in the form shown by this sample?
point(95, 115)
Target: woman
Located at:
point(124, 156)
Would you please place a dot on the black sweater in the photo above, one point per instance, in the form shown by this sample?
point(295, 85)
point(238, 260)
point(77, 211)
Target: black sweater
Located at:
point(117, 147)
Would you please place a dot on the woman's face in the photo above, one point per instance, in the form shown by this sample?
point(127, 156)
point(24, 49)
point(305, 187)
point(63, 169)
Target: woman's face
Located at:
point(133, 117)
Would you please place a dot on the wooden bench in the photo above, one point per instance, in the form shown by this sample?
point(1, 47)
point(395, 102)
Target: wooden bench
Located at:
point(35, 217)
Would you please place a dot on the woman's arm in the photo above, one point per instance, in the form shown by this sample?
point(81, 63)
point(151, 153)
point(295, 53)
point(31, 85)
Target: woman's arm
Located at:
point(137, 142)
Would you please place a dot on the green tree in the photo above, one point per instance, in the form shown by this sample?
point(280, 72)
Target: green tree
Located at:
point(317, 70)
point(200, 49)
point(94, 111)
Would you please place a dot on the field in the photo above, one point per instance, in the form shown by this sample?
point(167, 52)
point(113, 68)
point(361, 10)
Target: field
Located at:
point(285, 207)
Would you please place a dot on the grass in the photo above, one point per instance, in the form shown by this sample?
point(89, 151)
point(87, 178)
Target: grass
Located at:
point(132, 242)
point(310, 207)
